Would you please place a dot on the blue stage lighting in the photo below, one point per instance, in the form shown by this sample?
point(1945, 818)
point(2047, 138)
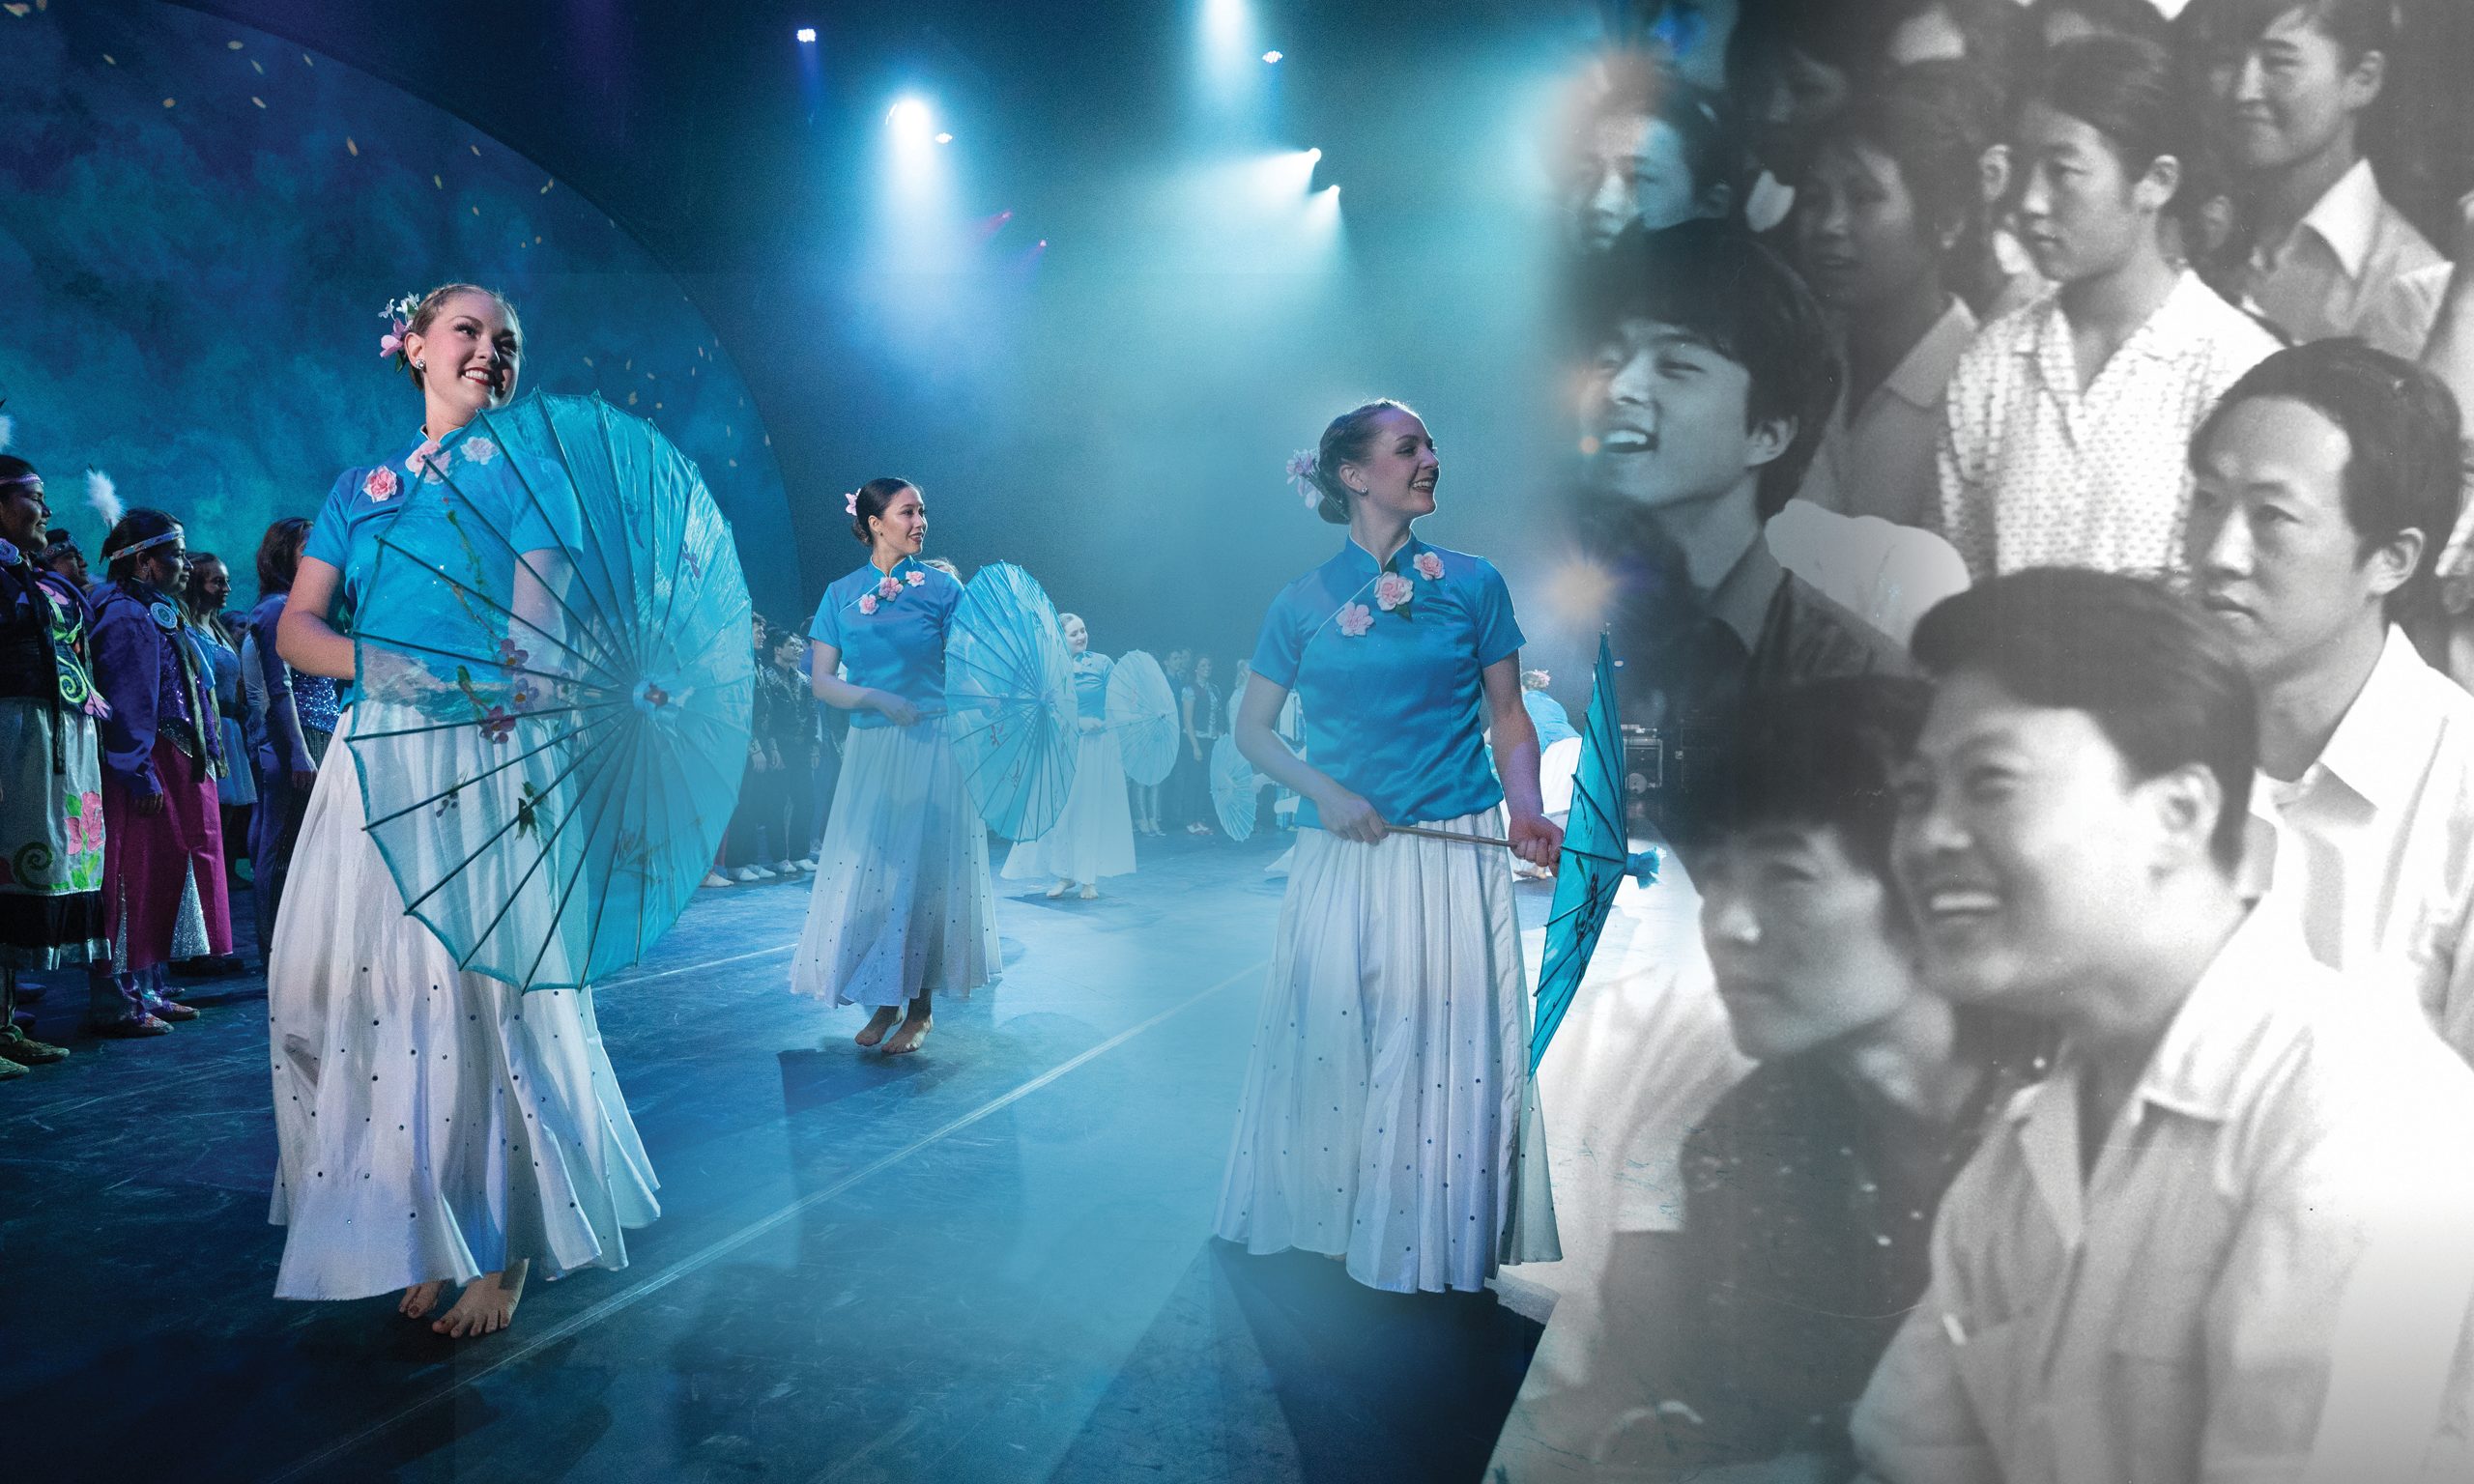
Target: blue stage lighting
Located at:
point(807, 35)
point(910, 119)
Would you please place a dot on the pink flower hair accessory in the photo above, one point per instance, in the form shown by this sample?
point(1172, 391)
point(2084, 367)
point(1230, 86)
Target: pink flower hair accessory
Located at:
point(398, 316)
point(850, 503)
point(1430, 566)
point(1355, 618)
point(1303, 465)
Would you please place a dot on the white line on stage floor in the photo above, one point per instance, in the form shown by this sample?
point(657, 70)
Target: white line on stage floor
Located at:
point(155, 1087)
point(696, 1262)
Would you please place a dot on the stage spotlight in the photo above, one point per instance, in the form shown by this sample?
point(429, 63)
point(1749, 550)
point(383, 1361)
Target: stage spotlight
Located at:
point(807, 35)
point(944, 138)
point(910, 119)
point(1271, 58)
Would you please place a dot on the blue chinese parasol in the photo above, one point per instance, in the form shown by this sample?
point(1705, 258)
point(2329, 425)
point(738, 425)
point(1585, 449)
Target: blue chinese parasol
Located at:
point(552, 690)
point(1596, 857)
point(1142, 711)
point(1233, 787)
point(1009, 702)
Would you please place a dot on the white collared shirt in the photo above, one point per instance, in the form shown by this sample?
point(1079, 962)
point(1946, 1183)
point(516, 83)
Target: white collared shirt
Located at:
point(2371, 849)
point(2267, 1275)
point(2337, 273)
point(1879, 460)
point(2036, 471)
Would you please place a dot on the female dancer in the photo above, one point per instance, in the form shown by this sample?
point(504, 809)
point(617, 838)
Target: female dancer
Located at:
point(1095, 836)
point(1384, 1111)
point(162, 752)
point(903, 907)
point(1200, 722)
point(435, 1126)
point(52, 805)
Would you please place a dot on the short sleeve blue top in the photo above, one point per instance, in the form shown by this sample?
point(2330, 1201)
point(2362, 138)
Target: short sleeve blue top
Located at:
point(1547, 714)
point(1091, 685)
point(890, 638)
point(364, 501)
point(1388, 662)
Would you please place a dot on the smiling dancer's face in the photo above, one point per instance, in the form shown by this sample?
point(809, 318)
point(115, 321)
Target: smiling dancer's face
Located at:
point(902, 529)
point(471, 357)
point(1077, 637)
point(1398, 472)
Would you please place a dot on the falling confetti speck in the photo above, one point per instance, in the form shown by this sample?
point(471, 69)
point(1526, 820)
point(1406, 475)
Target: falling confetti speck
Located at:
point(588, 360)
point(232, 46)
point(476, 148)
point(110, 61)
point(306, 62)
point(258, 66)
point(260, 102)
point(545, 187)
point(352, 147)
point(439, 184)
point(477, 211)
point(631, 399)
point(18, 10)
point(167, 103)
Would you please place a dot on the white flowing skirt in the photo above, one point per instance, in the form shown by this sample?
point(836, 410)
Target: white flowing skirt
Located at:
point(431, 1125)
point(902, 900)
point(1094, 837)
point(1388, 1113)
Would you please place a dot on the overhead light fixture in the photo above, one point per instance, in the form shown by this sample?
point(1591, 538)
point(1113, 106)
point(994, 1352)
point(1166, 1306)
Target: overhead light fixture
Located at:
point(807, 35)
point(1271, 58)
point(944, 138)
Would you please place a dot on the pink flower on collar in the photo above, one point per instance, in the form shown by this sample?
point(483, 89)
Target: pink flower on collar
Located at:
point(867, 602)
point(914, 577)
point(890, 588)
point(382, 484)
point(1391, 590)
point(427, 462)
point(1430, 566)
point(1355, 618)
point(480, 450)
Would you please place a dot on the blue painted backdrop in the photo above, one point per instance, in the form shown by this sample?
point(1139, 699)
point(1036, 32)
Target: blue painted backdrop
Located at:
point(199, 224)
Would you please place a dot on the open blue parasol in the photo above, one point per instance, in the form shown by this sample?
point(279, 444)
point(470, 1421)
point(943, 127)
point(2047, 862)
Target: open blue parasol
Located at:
point(1009, 702)
point(1142, 711)
point(1233, 787)
point(1596, 858)
point(552, 690)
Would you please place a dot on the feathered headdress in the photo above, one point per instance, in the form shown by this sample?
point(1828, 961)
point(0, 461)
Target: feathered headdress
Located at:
point(1303, 465)
point(104, 498)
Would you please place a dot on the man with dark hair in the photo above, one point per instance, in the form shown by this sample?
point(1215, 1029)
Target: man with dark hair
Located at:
point(1712, 381)
point(62, 558)
point(2326, 480)
point(2231, 1234)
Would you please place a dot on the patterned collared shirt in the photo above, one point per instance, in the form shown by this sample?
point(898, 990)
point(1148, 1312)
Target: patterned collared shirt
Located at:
point(2036, 471)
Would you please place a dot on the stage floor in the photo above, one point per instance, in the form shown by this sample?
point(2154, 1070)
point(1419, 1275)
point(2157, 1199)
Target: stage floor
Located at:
point(988, 1261)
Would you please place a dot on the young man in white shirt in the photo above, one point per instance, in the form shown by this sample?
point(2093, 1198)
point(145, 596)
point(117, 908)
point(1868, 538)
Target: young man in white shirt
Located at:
point(2329, 256)
point(2326, 480)
point(2231, 1234)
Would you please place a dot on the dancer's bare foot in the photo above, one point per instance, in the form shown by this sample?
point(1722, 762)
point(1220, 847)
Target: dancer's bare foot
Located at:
point(1060, 889)
point(486, 1306)
point(906, 1041)
point(878, 1024)
point(420, 1299)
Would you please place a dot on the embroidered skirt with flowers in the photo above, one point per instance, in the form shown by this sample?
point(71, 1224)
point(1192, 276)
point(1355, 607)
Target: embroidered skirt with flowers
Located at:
point(1388, 1115)
point(51, 838)
point(1094, 837)
point(903, 899)
point(431, 1125)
